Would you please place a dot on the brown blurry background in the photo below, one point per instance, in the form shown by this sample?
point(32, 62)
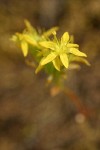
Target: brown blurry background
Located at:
point(30, 119)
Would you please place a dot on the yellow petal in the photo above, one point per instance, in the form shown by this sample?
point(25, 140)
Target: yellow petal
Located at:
point(20, 36)
point(71, 38)
point(65, 38)
point(82, 60)
point(56, 63)
point(77, 52)
point(70, 45)
point(30, 28)
point(48, 44)
point(38, 69)
point(74, 66)
point(24, 47)
point(48, 59)
point(30, 39)
point(64, 60)
point(14, 38)
point(50, 31)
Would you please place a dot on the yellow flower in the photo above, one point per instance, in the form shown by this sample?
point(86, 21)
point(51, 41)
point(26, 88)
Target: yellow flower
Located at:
point(59, 51)
point(32, 37)
point(20, 40)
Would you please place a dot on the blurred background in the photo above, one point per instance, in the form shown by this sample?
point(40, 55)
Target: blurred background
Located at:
point(30, 119)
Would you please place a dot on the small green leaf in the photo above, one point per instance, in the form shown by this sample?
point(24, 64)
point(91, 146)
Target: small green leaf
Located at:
point(65, 38)
point(77, 52)
point(64, 60)
point(24, 47)
point(56, 63)
point(48, 59)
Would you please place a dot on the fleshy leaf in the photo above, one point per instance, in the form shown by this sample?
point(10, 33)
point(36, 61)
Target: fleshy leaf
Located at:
point(77, 52)
point(48, 59)
point(64, 60)
point(48, 44)
point(24, 47)
point(65, 38)
point(56, 63)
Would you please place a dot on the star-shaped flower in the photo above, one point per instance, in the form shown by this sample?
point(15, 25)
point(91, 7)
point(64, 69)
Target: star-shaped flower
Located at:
point(31, 36)
point(60, 51)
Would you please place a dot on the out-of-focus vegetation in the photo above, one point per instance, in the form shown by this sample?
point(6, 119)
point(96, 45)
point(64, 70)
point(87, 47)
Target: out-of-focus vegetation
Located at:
point(30, 119)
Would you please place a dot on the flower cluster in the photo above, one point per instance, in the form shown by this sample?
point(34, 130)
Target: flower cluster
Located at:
point(49, 52)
